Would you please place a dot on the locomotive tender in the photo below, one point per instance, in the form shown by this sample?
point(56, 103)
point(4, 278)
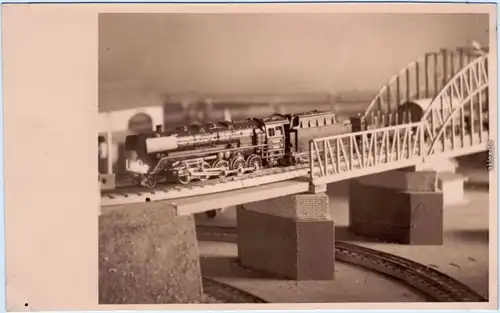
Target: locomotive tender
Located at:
point(203, 151)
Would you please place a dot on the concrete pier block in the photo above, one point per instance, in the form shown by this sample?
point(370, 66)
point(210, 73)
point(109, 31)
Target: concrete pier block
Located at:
point(297, 207)
point(410, 213)
point(452, 186)
point(408, 180)
point(292, 237)
point(440, 166)
point(448, 181)
point(147, 256)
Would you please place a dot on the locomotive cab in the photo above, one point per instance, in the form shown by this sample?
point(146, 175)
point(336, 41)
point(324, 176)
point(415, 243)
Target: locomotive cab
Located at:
point(276, 141)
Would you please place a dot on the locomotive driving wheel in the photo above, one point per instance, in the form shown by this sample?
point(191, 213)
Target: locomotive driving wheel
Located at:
point(224, 165)
point(254, 162)
point(204, 166)
point(272, 161)
point(184, 176)
point(150, 182)
point(238, 164)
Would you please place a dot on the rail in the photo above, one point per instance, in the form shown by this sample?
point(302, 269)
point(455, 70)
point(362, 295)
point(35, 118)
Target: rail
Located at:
point(219, 292)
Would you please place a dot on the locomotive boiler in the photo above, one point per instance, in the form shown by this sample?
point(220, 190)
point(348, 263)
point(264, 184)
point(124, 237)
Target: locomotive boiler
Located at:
point(204, 151)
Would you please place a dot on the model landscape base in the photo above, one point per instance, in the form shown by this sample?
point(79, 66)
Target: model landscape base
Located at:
point(146, 255)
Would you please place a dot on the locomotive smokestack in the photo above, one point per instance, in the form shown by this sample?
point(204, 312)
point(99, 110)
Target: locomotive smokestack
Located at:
point(159, 128)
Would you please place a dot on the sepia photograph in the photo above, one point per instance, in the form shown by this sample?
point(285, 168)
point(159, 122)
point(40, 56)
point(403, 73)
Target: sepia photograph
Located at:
point(294, 158)
point(250, 156)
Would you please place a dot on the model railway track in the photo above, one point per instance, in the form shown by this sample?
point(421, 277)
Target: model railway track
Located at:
point(435, 284)
point(218, 292)
point(427, 280)
point(127, 195)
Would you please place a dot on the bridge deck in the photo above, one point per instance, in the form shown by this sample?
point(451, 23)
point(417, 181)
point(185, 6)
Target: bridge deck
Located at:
point(198, 204)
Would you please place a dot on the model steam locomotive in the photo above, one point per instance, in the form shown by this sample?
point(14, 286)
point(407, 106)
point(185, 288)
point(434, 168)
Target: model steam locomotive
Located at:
point(204, 151)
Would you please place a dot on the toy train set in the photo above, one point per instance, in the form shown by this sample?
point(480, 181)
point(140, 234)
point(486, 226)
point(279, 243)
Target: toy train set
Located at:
point(204, 151)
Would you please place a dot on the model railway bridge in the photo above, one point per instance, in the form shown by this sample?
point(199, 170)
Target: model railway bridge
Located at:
point(453, 85)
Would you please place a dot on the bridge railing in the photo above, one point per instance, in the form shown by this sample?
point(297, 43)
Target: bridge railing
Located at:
point(362, 152)
point(367, 152)
point(455, 123)
point(382, 149)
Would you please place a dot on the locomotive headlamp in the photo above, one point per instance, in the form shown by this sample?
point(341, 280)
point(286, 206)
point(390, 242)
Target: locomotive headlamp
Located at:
point(134, 164)
point(137, 166)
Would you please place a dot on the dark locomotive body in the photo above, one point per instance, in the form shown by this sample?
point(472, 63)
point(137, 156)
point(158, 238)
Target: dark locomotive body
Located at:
point(203, 151)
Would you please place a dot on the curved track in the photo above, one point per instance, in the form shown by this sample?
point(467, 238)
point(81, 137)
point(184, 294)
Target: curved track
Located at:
point(429, 281)
point(218, 292)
